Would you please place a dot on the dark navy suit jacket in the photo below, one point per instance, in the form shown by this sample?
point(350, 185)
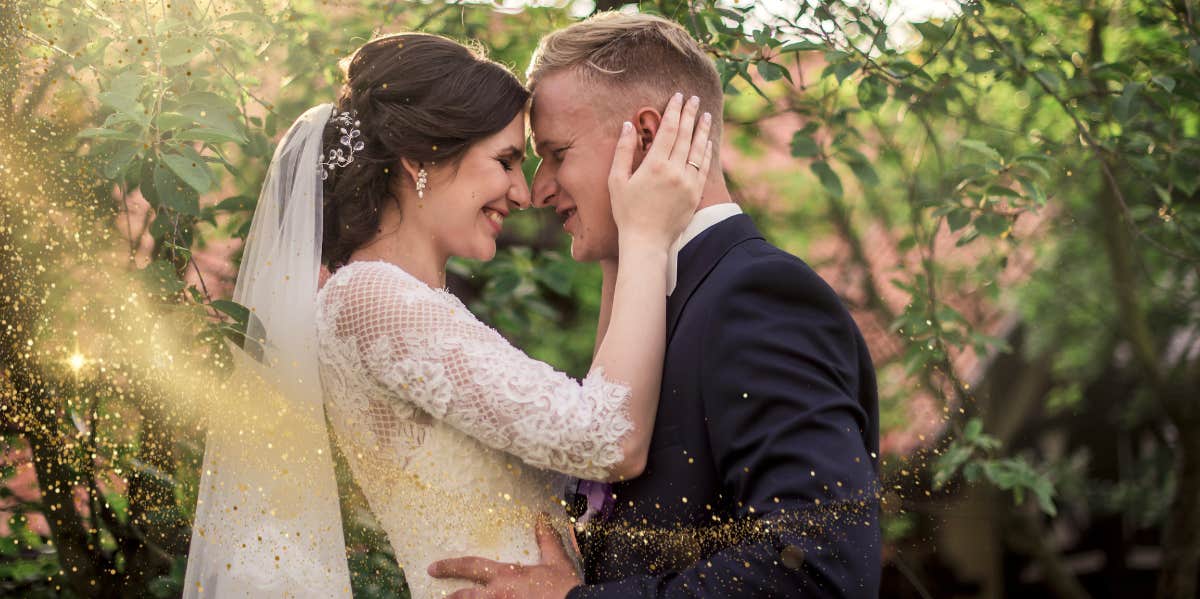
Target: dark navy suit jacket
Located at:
point(762, 474)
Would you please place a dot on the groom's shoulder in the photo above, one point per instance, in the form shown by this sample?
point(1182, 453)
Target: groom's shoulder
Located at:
point(758, 266)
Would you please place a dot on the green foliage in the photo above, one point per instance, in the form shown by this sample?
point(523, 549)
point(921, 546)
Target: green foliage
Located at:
point(1039, 160)
point(970, 454)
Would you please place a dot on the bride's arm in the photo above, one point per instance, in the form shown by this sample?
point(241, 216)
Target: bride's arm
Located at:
point(426, 350)
point(608, 287)
point(651, 206)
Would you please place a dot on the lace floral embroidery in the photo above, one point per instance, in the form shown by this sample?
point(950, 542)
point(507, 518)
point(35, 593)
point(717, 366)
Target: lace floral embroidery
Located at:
point(388, 338)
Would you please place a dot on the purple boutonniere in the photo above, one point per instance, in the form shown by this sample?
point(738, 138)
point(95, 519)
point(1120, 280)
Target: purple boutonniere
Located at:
point(600, 500)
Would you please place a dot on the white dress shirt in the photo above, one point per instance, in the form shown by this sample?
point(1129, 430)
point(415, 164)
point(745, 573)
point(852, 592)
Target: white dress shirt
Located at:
point(701, 221)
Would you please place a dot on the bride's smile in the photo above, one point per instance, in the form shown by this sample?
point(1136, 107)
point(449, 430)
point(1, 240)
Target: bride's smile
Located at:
point(464, 205)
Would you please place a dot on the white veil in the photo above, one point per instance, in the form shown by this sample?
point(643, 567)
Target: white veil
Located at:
point(267, 518)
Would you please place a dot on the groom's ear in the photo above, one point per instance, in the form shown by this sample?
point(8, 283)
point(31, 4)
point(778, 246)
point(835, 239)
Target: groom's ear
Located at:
point(647, 121)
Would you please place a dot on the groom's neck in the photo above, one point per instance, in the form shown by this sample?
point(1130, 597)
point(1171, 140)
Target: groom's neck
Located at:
point(716, 191)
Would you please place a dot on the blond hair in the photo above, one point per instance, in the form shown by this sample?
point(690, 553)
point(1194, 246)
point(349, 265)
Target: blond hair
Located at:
point(635, 57)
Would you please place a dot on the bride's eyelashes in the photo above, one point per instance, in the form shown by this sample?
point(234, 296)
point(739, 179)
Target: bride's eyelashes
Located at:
point(510, 158)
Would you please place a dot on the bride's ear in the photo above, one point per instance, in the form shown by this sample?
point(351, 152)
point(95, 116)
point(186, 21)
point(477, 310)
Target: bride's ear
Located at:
point(411, 167)
point(647, 122)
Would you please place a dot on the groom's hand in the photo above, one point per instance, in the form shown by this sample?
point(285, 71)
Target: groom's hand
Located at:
point(550, 579)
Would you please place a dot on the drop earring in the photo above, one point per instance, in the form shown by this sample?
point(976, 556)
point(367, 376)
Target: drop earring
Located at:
point(422, 180)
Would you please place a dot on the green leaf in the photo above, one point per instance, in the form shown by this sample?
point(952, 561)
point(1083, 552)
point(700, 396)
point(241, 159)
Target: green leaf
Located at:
point(958, 218)
point(932, 33)
point(1125, 107)
point(119, 160)
point(236, 204)
point(865, 172)
point(505, 283)
point(830, 179)
point(172, 120)
point(557, 275)
point(949, 463)
point(804, 146)
point(770, 71)
point(800, 46)
point(871, 93)
point(121, 103)
point(103, 133)
point(1051, 79)
point(194, 172)
point(1166, 82)
point(207, 135)
point(248, 17)
point(211, 110)
point(160, 278)
point(1001, 191)
point(238, 312)
point(128, 83)
point(973, 429)
point(981, 148)
point(1032, 190)
point(172, 192)
point(179, 51)
point(991, 224)
point(967, 237)
point(844, 69)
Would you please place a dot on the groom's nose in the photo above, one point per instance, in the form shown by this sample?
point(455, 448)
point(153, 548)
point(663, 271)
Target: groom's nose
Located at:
point(544, 186)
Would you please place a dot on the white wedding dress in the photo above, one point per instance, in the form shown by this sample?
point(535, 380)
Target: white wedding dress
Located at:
point(454, 435)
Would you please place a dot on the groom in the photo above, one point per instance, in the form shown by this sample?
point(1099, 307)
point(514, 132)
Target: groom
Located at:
point(761, 479)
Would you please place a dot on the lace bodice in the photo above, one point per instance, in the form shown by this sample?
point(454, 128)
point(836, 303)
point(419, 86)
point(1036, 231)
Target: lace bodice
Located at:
point(431, 406)
point(430, 354)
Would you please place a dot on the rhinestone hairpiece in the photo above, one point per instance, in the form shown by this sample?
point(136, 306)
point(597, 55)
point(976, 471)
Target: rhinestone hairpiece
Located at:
point(348, 124)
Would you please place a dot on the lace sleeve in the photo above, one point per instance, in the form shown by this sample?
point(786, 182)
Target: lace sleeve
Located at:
point(427, 349)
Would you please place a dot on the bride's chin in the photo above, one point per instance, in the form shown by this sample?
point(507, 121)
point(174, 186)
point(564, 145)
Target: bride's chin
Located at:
point(486, 253)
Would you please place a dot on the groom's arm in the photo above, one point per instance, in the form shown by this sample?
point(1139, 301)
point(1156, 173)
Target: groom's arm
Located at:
point(781, 384)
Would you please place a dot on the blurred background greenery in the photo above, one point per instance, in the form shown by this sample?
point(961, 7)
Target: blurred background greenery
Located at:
point(1004, 193)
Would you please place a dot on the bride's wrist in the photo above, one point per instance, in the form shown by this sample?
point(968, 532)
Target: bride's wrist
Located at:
point(643, 254)
point(637, 241)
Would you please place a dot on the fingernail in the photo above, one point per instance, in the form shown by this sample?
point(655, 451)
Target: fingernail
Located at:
point(678, 96)
point(626, 127)
point(431, 569)
point(694, 100)
point(707, 118)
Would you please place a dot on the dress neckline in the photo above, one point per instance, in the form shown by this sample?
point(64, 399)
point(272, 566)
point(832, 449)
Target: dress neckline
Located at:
point(398, 268)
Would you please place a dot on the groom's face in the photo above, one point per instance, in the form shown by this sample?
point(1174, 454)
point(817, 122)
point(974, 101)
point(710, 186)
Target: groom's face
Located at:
point(576, 146)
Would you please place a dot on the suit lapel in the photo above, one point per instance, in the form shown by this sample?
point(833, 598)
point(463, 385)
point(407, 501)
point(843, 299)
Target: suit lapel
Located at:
point(698, 258)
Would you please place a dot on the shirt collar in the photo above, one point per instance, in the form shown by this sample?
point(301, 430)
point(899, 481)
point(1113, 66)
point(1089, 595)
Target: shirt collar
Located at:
point(701, 221)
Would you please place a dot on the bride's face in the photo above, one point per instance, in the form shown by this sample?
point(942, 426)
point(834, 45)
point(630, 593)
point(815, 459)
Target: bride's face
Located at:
point(465, 206)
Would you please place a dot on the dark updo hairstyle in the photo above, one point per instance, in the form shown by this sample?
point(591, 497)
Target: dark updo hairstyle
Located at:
point(417, 96)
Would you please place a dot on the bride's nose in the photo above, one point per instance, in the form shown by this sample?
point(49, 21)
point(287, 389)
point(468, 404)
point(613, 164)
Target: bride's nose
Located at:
point(518, 193)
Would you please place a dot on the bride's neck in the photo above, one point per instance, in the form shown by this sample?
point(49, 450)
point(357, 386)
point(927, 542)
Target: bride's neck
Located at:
point(404, 243)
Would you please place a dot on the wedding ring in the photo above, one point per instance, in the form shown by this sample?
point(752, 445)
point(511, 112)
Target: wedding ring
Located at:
point(694, 164)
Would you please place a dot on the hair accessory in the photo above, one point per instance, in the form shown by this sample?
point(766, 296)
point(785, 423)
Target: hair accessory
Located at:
point(348, 124)
point(422, 180)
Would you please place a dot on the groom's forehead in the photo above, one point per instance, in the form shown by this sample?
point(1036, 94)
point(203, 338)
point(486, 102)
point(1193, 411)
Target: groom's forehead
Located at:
point(554, 115)
point(561, 96)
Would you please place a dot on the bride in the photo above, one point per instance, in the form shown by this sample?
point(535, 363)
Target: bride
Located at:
point(458, 439)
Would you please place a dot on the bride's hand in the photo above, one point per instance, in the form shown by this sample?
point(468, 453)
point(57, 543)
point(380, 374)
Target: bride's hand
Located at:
point(654, 203)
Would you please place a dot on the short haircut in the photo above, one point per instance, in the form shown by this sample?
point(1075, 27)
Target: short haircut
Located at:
point(642, 58)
